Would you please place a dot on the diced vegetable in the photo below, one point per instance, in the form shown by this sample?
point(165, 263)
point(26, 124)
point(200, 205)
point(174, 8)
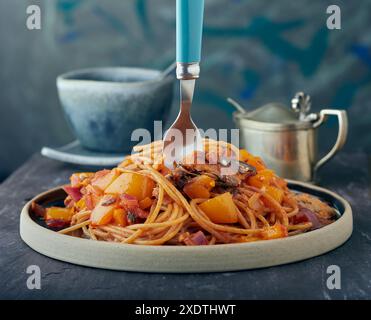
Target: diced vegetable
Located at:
point(145, 203)
point(131, 205)
point(68, 202)
point(274, 232)
point(275, 193)
point(119, 217)
point(56, 213)
point(129, 201)
point(261, 179)
point(196, 239)
point(57, 224)
point(91, 200)
point(73, 192)
point(38, 210)
point(306, 215)
point(109, 200)
point(100, 174)
point(102, 214)
point(102, 181)
point(134, 184)
point(81, 204)
point(81, 178)
point(220, 209)
point(256, 162)
point(199, 187)
point(244, 155)
point(93, 190)
point(248, 239)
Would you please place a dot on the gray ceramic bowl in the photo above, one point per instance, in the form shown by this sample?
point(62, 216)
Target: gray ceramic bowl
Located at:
point(104, 105)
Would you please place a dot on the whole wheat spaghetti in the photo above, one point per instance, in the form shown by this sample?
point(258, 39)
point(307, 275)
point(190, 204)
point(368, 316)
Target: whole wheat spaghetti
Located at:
point(195, 203)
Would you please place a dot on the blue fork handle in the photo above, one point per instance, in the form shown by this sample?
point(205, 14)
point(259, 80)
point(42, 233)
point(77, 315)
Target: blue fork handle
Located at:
point(189, 21)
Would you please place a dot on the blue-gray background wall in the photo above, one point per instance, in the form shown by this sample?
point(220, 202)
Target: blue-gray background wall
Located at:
point(256, 51)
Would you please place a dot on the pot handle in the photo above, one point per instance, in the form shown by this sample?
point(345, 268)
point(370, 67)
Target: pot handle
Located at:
point(342, 133)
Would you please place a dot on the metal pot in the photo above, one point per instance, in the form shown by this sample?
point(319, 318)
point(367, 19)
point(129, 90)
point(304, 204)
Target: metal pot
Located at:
point(286, 139)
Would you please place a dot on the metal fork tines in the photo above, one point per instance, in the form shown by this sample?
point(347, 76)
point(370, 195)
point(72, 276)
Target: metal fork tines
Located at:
point(183, 137)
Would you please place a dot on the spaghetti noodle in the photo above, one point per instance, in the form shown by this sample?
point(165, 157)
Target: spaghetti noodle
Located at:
point(143, 202)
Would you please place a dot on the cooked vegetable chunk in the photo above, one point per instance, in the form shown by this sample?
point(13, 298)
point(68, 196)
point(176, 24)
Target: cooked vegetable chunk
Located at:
point(274, 232)
point(103, 180)
point(263, 178)
point(220, 209)
point(56, 217)
point(134, 184)
point(119, 217)
point(57, 213)
point(256, 162)
point(199, 187)
point(275, 193)
point(102, 213)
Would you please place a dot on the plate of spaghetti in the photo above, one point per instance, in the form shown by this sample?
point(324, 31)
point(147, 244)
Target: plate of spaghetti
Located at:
point(218, 209)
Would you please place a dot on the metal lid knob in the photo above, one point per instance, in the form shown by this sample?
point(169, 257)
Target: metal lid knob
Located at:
point(301, 103)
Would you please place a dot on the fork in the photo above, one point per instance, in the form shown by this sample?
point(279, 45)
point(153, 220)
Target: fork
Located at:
point(183, 136)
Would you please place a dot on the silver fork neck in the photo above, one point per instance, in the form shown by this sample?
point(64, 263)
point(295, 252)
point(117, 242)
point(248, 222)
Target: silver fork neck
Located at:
point(187, 71)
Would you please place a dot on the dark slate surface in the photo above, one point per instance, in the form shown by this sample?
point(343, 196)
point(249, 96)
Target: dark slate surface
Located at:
point(349, 175)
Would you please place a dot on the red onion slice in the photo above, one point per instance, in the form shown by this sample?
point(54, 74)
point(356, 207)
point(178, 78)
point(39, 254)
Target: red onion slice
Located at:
point(73, 192)
point(131, 204)
point(199, 239)
point(311, 216)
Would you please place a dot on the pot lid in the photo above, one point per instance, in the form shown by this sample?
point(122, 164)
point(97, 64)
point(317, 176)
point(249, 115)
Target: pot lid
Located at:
point(276, 115)
point(273, 113)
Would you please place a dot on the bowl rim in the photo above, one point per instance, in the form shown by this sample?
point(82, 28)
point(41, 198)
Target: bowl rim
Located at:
point(64, 77)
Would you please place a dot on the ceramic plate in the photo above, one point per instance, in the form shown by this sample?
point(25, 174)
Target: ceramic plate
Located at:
point(76, 154)
point(224, 257)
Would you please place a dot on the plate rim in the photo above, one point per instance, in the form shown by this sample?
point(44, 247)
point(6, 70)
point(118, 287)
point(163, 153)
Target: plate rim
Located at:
point(65, 156)
point(343, 225)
